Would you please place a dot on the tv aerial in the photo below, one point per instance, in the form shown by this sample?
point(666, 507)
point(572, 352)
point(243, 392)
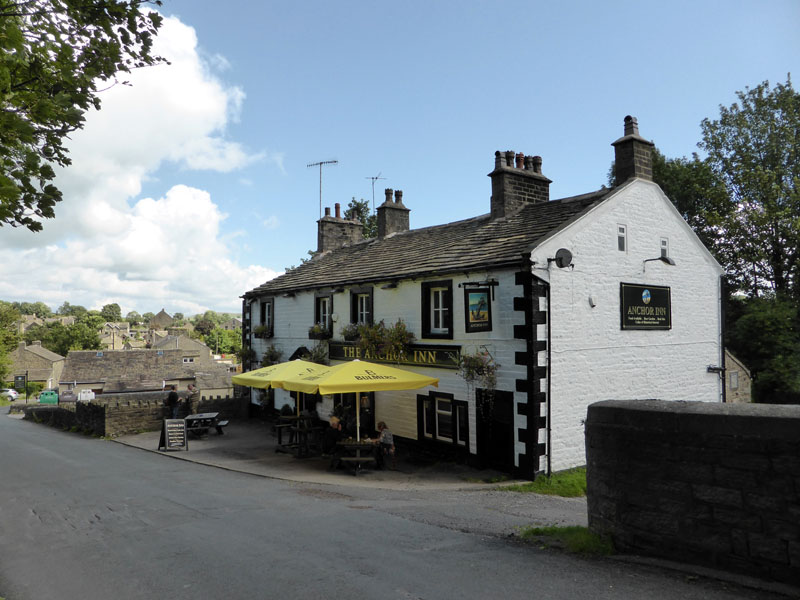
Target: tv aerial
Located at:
point(374, 179)
point(319, 164)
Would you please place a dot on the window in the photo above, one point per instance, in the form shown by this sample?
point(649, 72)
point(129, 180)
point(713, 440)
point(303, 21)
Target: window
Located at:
point(267, 307)
point(188, 359)
point(734, 380)
point(437, 309)
point(361, 306)
point(444, 419)
point(323, 307)
point(664, 247)
point(622, 238)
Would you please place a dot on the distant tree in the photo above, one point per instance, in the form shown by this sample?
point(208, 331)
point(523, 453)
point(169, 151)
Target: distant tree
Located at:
point(765, 334)
point(8, 337)
point(55, 55)
point(698, 193)
point(358, 210)
point(133, 318)
point(178, 316)
point(111, 313)
point(224, 341)
point(72, 310)
point(147, 317)
point(40, 309)
point(61, 339)
point(204, 326)
point(754, 147)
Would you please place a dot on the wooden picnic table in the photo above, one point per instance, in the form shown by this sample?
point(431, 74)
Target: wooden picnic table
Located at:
point(199, 424)
point(355, 455)
point(302, 432)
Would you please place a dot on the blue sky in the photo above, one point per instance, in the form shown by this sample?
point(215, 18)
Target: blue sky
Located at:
point(209, 164)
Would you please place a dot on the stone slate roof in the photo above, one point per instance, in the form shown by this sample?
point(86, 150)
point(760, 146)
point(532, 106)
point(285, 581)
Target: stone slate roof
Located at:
point(43, 352)
point(128, 370)
point(472, 244)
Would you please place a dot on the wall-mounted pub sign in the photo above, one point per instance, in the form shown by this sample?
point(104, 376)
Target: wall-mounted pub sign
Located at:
point(420, 355)
point(645, 306)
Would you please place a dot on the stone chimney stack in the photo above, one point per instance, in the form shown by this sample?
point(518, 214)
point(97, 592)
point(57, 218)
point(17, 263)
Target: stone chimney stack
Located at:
point(392, 216)
point(335, 232)
point(632, 154)
point(517, 180)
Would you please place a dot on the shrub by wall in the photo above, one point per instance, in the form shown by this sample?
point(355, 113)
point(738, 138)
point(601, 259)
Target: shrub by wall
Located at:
point(706, 483)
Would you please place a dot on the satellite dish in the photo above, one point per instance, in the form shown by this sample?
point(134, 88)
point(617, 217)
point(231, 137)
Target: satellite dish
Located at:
point(563, 258)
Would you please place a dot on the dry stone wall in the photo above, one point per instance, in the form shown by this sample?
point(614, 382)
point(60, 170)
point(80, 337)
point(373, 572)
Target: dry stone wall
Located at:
point(711, 484)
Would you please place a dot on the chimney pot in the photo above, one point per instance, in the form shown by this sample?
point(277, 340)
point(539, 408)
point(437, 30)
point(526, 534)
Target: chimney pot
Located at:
point(509, 158)
point(327, 211)
point(631, 125)
point(388, 192)
point(498, 159)
point(537, 164)
point(398, 196)
point(520, 160)
point(338, 210)
point(529, 163)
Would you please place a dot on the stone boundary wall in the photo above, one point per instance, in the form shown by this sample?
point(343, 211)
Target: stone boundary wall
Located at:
point(697, 482)
point(113, 415)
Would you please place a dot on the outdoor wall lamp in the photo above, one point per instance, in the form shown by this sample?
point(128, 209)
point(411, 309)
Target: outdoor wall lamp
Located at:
point(715, 369)
point(664, 259)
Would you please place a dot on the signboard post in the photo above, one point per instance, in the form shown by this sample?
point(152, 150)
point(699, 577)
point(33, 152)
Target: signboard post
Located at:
point(645, 306)
point(173, 435)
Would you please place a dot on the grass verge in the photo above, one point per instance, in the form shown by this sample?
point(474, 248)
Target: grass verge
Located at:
point(569, 484)
point(578, 540)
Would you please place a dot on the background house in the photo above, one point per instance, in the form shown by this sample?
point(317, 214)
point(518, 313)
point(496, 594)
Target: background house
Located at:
point(120, 371)
point(738, 382)
point(608, 294)
point(38, 363)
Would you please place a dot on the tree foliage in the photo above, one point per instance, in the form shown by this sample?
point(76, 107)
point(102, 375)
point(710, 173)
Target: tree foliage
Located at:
point(111, 312)
point(358, 210)
point(8, 337)
point(40, 309)
point(56, 55)
point(754, 147)
point(765, 334)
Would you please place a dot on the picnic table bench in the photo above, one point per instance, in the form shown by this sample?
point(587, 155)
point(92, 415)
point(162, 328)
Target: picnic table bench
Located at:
point(199, 424)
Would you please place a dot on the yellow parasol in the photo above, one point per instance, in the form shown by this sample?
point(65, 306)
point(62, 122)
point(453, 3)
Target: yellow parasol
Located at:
point(357, 376)
point(273, 375)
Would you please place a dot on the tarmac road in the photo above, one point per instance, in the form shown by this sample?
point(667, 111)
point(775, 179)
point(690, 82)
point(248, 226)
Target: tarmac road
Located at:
point(86, 518)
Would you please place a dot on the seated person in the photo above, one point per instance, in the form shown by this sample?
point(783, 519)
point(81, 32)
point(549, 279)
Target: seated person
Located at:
point(332, 435)
point(386, 441)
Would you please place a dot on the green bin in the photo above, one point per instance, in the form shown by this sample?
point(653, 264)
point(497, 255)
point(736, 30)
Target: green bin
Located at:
point(48, 397)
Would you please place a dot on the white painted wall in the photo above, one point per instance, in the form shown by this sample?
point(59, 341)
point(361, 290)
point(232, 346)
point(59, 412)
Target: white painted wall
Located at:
point(592, 358)
point(293, 317)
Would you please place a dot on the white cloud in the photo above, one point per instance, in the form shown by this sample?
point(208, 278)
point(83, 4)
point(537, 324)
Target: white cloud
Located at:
point(271, 222)
point(167, 252)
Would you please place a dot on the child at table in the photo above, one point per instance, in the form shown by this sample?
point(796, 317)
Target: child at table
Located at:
point(386, 441)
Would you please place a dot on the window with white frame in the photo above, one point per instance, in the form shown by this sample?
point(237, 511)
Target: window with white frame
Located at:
point(437, 309)
point(322, 312)
point(361, 309)
point(622, 238)
point(444, 419)
point(363, 312)
point(664, 247)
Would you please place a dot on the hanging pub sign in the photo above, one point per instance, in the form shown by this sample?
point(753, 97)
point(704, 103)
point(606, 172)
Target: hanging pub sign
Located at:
point(645, 306)
point(173, 435)
point(477, 310)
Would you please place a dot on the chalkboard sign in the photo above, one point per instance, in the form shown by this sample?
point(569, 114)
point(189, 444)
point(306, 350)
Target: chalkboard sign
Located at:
point(173, 435)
